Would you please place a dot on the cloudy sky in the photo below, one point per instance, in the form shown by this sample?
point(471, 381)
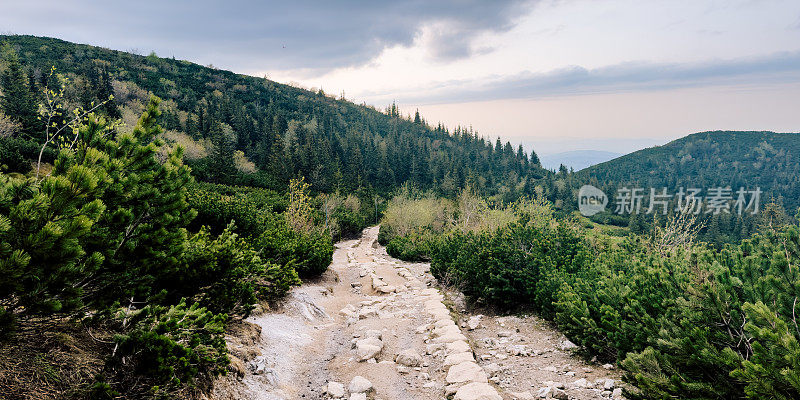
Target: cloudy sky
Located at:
point(556, 75)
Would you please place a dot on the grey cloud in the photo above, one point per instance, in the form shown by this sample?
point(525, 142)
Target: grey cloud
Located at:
point(576, 80)
point(249, 36)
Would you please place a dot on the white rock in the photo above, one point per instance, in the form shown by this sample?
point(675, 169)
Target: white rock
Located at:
point(544, 392)
point(466, 372)
point(457, 358)
point(358, 396)
point(505, 333)
point(386, 289)
point(446, 330)
point(367, 312)
point(608, 366)
point(582, 383)
point(443, 323)
point(409, 358)
point(474, 322)
point(521, 395)
point(608, 384)
point(335, 390)
point(377, 282)
point(359, 384)
point(568, 345)
point(458, 346)
point(449, 338)
point(477, 391)
point(617, 393)
point(368, 348)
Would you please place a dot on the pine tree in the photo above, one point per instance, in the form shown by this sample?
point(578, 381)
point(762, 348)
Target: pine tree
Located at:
point(105, 92)
point(17, 101)
point(221, 157)
point(43, 227)
point(142, 234)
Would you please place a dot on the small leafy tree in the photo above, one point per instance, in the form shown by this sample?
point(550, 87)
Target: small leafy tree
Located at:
point(299, 214)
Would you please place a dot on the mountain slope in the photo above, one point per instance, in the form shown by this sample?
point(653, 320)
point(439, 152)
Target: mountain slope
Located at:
point(767, 160)
point(285, 131)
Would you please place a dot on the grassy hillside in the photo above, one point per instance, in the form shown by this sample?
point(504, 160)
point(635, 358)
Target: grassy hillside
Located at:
point(282, 130)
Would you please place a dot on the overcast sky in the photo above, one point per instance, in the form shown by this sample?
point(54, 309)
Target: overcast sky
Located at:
point(556, 75)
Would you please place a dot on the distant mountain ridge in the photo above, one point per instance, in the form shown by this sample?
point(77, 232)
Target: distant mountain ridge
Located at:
point(577, 159)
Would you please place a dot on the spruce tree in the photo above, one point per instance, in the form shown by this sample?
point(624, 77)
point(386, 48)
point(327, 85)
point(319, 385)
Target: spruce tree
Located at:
point(17, 102)
point(221, 158)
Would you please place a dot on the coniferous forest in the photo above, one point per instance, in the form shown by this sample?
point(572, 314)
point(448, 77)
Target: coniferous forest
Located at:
point(148, 205)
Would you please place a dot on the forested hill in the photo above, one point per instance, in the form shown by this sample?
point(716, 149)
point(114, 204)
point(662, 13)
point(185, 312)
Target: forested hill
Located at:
point(281, 131)
point(704, 160)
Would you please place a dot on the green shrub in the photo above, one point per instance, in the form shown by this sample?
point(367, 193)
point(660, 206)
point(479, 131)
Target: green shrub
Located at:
point(409, 249)
point(226, 275)
point(350, 223)
point(43, 228)
point(309, 253)
point(519, 265)
point(218, 205)
point(170, 347)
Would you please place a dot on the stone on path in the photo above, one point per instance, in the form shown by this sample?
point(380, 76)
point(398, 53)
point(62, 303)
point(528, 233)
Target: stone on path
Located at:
point(368, 348)
point(450, 337)
point(466, 372)
point(568, 345)
point(474, 322)
point(446, 330)
point(521, 395)
point(409, 358)
point(458, 358)
point(477, 391)
point(386, 289)
point(459, 346)
point(335, 390)
point(359, 384)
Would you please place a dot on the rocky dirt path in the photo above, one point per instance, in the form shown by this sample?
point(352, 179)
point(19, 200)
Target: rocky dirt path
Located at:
point(374, 327)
